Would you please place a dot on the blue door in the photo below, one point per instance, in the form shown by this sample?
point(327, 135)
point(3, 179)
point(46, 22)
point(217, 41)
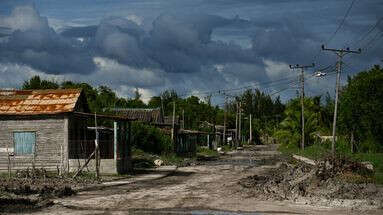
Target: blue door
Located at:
point(24, 142)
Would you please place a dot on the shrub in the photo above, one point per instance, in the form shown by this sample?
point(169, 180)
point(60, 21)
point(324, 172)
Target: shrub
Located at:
point(150, 139)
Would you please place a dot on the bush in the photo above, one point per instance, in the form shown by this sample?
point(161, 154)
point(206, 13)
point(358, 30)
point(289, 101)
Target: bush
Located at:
point(150, 139)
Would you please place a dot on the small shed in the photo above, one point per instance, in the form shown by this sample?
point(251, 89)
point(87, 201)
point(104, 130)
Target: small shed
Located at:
point(49, 129)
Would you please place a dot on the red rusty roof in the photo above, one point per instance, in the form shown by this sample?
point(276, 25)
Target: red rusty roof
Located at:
point(34, 102)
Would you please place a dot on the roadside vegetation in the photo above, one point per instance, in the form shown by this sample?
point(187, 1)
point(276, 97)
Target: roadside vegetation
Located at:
point(360, 123)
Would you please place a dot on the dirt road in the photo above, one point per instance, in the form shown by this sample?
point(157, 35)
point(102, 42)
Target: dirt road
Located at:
point(211, 187)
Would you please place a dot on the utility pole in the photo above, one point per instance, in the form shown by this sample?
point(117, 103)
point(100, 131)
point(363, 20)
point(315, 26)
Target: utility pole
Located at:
point(173, 121)
point(302, 77)
point(236, 125)
point(97, 151)
point(224, 121)
point(240, 123)
point(251, 132)
point(340, 53)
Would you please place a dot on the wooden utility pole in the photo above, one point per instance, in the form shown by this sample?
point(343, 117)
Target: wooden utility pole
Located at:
point(340, 53)
point(97, 152)
point(240, 123)
point(236, 125)
point(224, 121)
point(251, 131)
point(302, 77)
point(173, 120)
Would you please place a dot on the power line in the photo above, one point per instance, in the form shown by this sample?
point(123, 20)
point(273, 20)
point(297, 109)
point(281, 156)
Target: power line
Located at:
point(337, 29)
point(368, 32)
point(341, 23)
point(274, 82)
point(374, 39)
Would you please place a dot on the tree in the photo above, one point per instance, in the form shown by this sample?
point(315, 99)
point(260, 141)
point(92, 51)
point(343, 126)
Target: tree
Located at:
point(36, 83)
point(290, 128)
point(361, 109)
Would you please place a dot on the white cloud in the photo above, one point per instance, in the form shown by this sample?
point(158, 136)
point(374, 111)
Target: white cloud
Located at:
point(13, 75)
point(136, 19)
point(24, 18)
point(128, 92)
point(110, 70)
point(276, 70)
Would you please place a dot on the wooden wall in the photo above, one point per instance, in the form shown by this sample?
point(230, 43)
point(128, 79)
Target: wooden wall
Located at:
point(50, 137)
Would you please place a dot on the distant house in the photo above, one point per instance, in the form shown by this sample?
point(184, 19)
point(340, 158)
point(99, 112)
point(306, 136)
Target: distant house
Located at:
point(48, 128)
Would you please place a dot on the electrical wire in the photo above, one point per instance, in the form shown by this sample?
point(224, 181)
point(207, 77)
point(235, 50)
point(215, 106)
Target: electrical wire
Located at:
point(342, 22)
point(368, 32)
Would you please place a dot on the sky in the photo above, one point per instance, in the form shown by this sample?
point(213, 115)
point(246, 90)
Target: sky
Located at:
point(194, 47)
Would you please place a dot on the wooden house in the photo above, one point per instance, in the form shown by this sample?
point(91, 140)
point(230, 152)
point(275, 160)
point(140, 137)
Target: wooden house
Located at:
point(49, 129)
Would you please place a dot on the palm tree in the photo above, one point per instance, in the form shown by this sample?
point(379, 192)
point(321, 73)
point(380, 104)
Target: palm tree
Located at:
point(290, 128)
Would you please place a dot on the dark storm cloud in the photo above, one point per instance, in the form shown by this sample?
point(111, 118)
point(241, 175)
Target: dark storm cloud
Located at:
point(183, 44)
point(179, 44)
point(280, 31)
point(293, 44)
point(34, 43)
point(84, 31)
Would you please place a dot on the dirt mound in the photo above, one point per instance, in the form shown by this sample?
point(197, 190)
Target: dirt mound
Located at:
point(332, 178)
point(35, 188)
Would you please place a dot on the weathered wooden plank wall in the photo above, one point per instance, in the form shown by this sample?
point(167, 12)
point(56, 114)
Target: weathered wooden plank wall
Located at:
point(50, 136)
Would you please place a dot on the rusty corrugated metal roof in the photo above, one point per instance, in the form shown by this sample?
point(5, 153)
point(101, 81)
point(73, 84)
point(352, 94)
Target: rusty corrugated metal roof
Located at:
point(35, 102)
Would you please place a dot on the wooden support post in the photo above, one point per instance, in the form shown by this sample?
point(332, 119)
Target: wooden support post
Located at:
point(62, 160)
point(115, 141)
point(85, 164)
point(9, 164)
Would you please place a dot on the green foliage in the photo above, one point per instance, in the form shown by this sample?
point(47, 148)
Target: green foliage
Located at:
point(35, 83)
point(289, 133)
point(150, 139)
point(226, 148)
point(266, 113)
point(171, 159)
point(315, 151)
point(203, 151)
point(195, 110)
point(361, 110)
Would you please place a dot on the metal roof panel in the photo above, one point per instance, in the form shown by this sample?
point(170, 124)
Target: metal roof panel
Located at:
point(34, 102)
